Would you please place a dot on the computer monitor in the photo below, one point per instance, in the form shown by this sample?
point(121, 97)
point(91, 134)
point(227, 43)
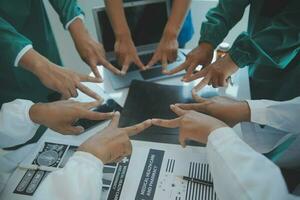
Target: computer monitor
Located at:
point(146, 20)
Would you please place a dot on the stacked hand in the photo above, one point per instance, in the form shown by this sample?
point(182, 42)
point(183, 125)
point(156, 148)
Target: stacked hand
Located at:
point(62, 115)
point(113, 143)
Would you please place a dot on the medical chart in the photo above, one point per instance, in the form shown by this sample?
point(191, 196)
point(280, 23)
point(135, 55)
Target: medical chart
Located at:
point(151, 172)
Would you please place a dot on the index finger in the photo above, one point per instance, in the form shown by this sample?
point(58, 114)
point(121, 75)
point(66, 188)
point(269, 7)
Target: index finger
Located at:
point(111, 68)
point(164, 61)
point(92, 115)
point(90, 105)
point(139, 63)
point(88, 91)
point(178, 110)
point(202, 84)
point(177, 69)
point(152, 61)
point(167, 123)
point(87, 78)
point(135, 129)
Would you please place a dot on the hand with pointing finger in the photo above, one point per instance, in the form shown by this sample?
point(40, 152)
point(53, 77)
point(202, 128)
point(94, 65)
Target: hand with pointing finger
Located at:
point(201, 55)
point(61, 116)
point(65, 81)
point(166, 52)
point(54, 77)
point(192, 125)
point(90, 51)
point(127, 54)
point(216, 74)
point(221, 108)
point(113, 143)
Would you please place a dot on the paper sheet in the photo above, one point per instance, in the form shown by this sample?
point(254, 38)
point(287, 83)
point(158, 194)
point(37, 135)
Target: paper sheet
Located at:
point(149, 173)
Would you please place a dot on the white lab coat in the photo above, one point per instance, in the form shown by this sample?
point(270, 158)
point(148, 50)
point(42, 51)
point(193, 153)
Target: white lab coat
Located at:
point(238, 171)
point(81, 178)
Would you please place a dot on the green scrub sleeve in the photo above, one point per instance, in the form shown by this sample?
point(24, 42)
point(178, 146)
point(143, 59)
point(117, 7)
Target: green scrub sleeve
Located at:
point(67, 10)
point(11, 43)
point(276, 45)
point(221, 19)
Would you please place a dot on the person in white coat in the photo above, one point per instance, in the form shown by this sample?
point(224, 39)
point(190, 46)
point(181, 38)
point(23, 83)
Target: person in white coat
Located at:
point(20, 119)
point(239, 172)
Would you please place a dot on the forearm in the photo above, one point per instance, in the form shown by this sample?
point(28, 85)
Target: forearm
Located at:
point(117, 18)
point(177, 16)
point(34, 62)
point(78, 30)
point(228, 153)
point(81, 178)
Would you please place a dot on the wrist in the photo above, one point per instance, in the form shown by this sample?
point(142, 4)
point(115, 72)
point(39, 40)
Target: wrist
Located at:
point(170, 32)
point(206, 46)
point(36, 113)
point(123, 36)
point(245, 111)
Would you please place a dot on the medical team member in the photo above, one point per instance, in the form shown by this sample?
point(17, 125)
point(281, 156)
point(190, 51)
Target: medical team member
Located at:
point(30, 61)
point(19, 121)
point(270, 48)
point(178, 31)
point(238, 171)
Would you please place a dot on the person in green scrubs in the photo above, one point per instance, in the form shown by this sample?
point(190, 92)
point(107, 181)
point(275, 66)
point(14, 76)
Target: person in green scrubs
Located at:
point(29, 58)
point(270, 48)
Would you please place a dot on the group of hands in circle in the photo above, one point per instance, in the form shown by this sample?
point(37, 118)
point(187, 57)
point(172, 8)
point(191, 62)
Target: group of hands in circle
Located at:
point(195, 121)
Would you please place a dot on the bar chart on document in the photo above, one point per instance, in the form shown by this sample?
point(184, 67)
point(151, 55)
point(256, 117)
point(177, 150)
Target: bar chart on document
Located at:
point(152, 172)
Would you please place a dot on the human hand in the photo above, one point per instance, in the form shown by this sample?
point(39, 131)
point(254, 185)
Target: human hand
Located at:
point(127, 54)
point(201, 55)
point(61, 116)
point(166, 51)
point(192, 125)
point(228, 110)
point(65, 81)
point(54, 77)
point(113, 143)
point(216, 74)
point(90, 51)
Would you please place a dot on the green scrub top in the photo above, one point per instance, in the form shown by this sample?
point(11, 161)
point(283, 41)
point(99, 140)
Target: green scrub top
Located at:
point(270, 47)
point(25, 23)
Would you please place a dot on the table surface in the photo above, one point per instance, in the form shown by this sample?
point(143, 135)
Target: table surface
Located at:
point(240, 90)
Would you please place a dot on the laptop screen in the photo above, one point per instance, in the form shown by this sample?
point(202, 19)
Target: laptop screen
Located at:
point(146, 23)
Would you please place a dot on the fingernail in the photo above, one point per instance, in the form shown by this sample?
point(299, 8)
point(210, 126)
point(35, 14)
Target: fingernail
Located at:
point(117, 113)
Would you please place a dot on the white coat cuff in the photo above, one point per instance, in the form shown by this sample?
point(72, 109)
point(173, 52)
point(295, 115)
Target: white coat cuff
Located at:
point(218, 137)
point(72, 20)
point(89, 159)
point(258, 110)
point(21, 54)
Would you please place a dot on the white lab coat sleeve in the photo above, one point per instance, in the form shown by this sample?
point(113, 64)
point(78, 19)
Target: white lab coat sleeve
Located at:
point(282, 115)
point(239, 172)
point(80, 179)
point(16, 125)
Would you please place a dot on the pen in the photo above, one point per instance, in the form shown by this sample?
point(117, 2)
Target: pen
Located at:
point(37, 167)
point(196, 180)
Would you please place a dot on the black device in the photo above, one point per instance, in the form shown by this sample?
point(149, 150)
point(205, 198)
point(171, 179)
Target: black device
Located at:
point(109, 105)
